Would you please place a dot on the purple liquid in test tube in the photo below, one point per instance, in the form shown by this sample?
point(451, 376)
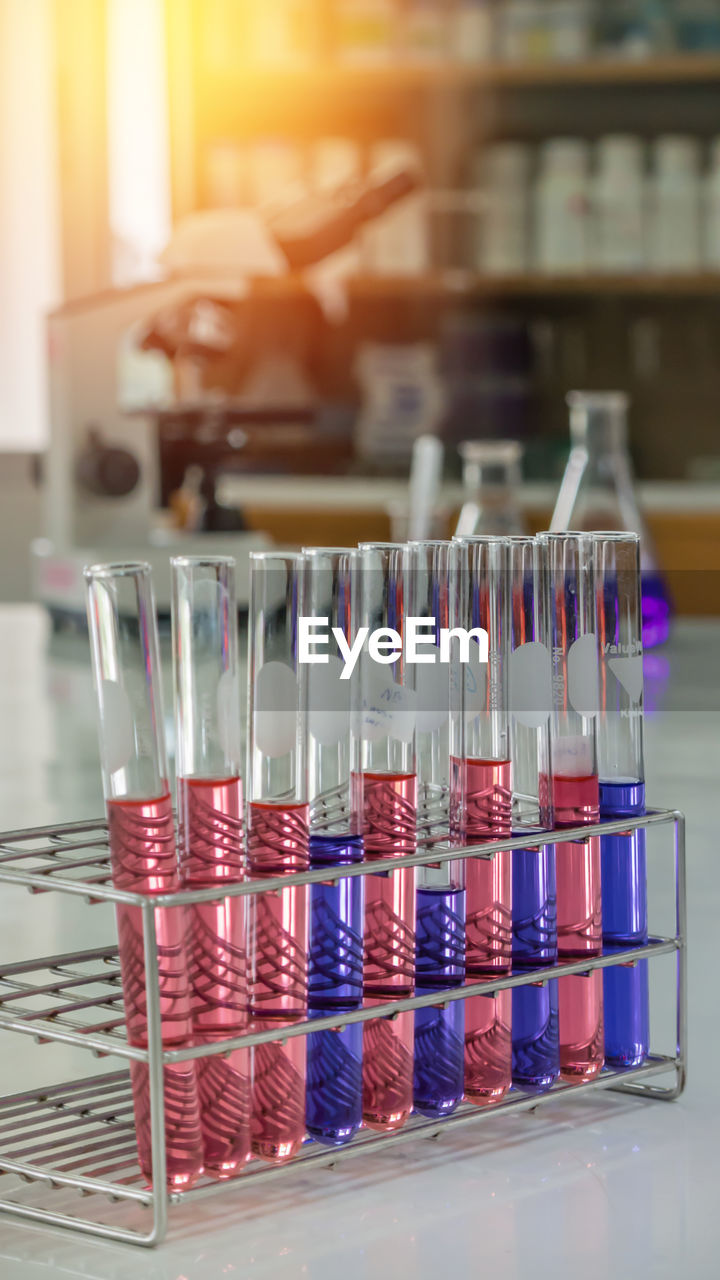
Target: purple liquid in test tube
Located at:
point(143, 854)
point(211, 842)
point(621, 631)
point(440, 935)
point(333, 1103)
point(389, 789)
point(569, 629)
point(277, 844)
point(535, 1046)
point(481, 810)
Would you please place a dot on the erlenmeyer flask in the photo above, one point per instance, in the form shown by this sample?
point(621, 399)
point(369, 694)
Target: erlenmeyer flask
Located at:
point(492, 477)
point(597, 492)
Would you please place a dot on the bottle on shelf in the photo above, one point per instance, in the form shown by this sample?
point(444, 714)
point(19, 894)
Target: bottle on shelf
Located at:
point(473, 28)
point(675, 205)
point(636, 29)
point(711, 209)
point(365, 31)
point(424, 31)
point(698, 25)
point(597, 492)
point(492, 475)
point(619, 204)
point(502, 242)
point(562, 207)
point(397, 242)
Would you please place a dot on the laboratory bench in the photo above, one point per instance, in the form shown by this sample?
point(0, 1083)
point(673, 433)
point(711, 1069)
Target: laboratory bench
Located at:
point(599, 1186)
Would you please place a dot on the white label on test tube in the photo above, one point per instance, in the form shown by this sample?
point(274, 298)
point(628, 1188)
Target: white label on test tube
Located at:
point(275, 725)
point(583, 675)
point(329, 702)
point(530, 678)
point(116, 725)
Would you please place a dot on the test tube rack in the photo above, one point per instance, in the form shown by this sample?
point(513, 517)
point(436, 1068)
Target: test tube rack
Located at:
point(67, 1152)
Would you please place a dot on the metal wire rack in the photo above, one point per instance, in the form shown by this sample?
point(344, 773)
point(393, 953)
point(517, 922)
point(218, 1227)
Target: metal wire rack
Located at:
point(68, 1154)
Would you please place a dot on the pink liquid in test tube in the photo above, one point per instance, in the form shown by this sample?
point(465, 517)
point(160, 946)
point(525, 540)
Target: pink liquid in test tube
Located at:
point(143, 860)
point(210, 814)
point(278, 842)
point(486, 790)
point(580, 997)
point(389, 830)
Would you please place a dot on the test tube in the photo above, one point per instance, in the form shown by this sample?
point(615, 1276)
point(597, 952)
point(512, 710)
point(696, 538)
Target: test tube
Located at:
point(277, 844)
point(333, 1107)
point(535, 1047)
point(389, 782)
point(568, 626)
point(211, 841)
point(622, 793)
point(481, 810)
point(440, 939)
point(143, 854)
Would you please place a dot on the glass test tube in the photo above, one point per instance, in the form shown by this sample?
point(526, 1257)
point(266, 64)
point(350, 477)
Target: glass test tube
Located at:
point(569, 628)
point(333, 1107)
point(277, 843)
point(535, 1047)
point(481, 809)
point(622, 793)
point(389, 783)
point(440, 937)
point(143, 854)
point(211, 841)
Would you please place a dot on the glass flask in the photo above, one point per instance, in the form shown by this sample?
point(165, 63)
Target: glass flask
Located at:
point(597, 492)
point(492, 476)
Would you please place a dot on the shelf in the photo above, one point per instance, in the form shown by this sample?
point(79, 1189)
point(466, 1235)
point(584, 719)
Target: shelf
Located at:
point(469, 284)
point(331, 78)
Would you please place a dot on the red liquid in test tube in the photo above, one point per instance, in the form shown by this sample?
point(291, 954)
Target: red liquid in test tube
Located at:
point(210, 812)
point(143, 860)
point(580, 997)
point(485, 786)
point(278, 842)
point(389, 808)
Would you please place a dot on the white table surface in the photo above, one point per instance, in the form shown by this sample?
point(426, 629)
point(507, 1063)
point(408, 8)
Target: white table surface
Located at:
point(601, 1187)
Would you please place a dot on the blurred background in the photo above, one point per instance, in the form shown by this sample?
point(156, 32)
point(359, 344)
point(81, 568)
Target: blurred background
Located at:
point(252, 253)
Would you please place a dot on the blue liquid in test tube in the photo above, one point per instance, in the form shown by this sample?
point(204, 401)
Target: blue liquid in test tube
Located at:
point(439, 1029)
point(333, 1102)
point(625, 924)
point(333, 1107)
point(622, 794)
point(535, 1043)
point(438, 1074)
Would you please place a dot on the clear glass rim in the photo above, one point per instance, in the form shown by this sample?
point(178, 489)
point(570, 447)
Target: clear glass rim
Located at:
point(283, 557)
point(478, 539)
point(328, 551)
point(381, 546)
point(118, 569)
point(564, 535)
point(614, 535)
point(203, 562)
